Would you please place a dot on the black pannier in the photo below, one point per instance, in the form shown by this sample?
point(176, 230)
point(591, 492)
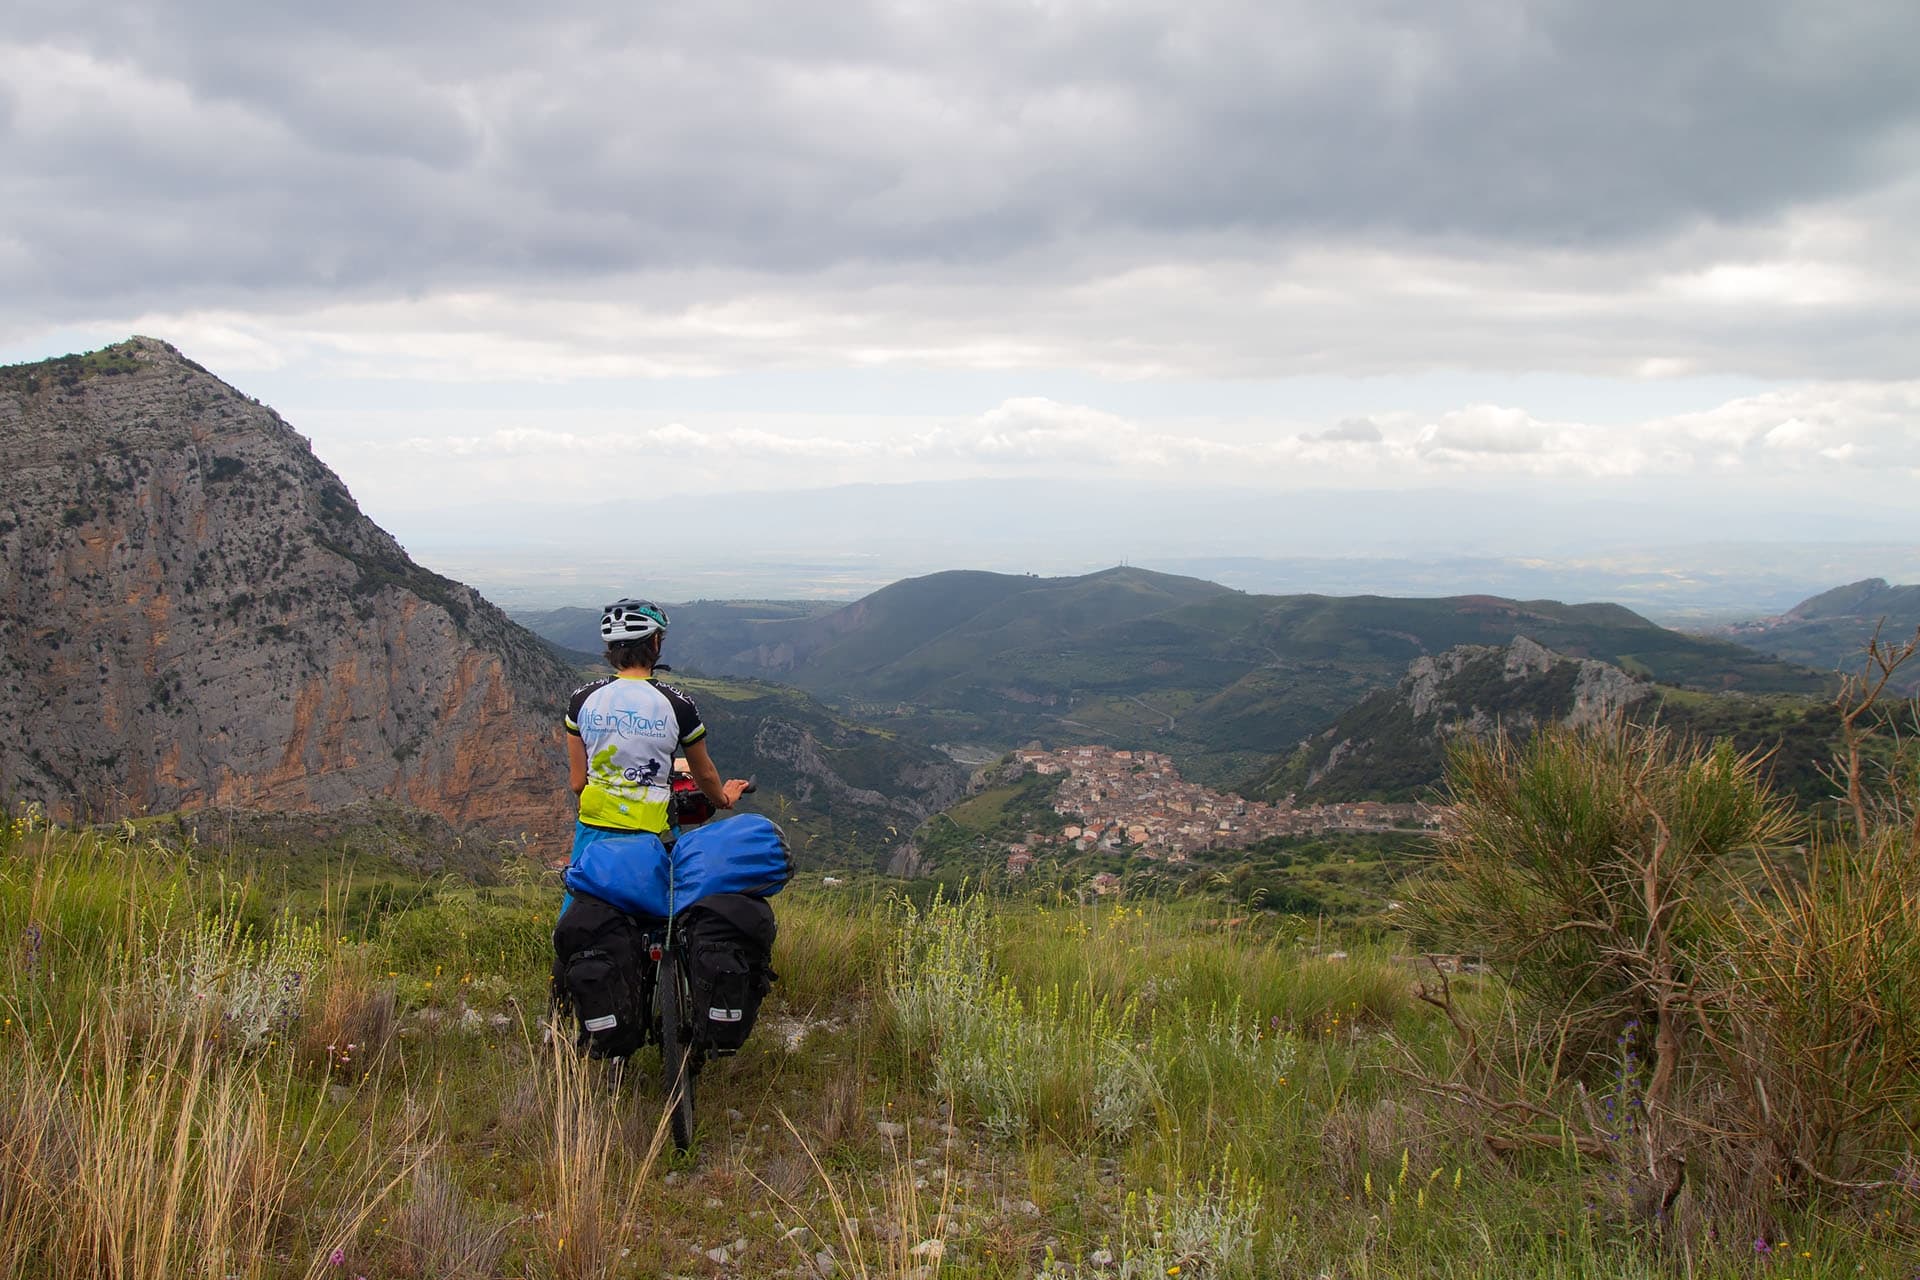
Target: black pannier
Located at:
point(727, 940)
point(601, 976)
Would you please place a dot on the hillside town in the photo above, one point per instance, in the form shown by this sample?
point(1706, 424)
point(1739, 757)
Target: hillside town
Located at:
point(1137, 801)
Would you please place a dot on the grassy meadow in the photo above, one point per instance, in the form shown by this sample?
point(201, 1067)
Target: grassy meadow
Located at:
point(220, 1066)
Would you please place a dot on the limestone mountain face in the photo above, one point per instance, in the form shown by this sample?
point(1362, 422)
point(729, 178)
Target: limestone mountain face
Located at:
point(1393, 744)
point(194, 612)
point(1444, 688)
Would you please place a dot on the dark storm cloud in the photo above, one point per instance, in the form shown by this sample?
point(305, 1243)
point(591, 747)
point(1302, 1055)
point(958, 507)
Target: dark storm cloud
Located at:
point(236, 153)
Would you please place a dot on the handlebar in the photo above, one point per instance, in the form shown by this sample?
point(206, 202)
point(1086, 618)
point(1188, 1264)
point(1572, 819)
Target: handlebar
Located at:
point(689, 807)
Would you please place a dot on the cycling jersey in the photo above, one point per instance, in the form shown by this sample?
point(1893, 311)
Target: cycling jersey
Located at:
point(632, 728)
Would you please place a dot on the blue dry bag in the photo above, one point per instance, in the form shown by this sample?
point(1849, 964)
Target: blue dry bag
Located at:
point(630, 869)
point(635, 871)
point(743, 854)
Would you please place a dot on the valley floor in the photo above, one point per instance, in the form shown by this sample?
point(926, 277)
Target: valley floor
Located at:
point(221, 1067)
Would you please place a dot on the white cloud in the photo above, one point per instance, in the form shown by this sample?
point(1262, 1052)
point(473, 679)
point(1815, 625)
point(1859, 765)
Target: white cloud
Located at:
point(1829, 438)
point(1481, 429)
point(1036, 429)
point(673, 439)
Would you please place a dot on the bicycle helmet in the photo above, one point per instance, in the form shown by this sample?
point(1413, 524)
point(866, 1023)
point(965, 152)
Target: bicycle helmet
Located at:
point(632, 620)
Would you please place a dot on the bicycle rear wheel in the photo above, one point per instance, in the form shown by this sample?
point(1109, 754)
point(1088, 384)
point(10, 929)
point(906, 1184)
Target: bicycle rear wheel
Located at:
point(678, 1065)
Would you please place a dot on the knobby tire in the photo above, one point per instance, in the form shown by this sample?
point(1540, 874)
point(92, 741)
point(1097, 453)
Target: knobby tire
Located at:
point(677, 1065)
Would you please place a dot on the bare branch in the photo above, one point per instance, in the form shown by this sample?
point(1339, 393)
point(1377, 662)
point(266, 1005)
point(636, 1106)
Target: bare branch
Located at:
point(1878, 1184)
point(1513, 1140)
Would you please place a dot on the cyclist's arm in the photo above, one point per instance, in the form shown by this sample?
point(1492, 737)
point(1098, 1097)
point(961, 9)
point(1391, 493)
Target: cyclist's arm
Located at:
point(576, 749)
point(707, 778)
point(576, 763)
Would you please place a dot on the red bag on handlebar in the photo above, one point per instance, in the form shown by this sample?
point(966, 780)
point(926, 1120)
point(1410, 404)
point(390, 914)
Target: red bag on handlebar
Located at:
point(688, 805)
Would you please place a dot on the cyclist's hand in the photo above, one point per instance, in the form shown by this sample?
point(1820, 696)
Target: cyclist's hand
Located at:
point(733, 789)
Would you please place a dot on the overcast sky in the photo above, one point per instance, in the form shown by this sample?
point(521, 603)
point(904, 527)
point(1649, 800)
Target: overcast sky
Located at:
point(482, 250)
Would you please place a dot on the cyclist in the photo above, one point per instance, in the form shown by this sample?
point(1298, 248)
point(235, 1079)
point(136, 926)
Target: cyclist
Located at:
point(624, 731)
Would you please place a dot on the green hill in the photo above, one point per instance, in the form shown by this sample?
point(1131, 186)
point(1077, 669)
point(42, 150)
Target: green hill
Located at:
point(1222, 680)
point(939, 629)
point(1830, 631)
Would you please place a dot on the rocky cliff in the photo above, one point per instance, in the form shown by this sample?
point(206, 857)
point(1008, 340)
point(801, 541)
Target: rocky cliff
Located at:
point(1393, 745)
point(194, 612)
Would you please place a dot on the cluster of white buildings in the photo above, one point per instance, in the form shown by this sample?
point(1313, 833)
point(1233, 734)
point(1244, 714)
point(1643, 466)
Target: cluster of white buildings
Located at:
point(1136, 801)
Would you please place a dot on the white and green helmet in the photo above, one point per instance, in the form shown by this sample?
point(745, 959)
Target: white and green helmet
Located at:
point(632, 620)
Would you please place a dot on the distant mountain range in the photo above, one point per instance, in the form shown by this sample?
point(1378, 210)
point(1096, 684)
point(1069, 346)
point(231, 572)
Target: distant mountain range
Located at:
point(1223, 680)
point(1675, 553)
point(1830, 631)
point(1394, 743)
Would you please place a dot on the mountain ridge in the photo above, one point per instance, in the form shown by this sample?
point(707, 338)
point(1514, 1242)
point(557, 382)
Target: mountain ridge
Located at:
point(1830, 630)
point(194, 612)
point(1221, 679)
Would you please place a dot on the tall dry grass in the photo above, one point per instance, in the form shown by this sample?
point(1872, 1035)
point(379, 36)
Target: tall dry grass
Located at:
point(153, 1122)
point(602, 1146)
point(832, 947)
point(350, 1018)
point(909, 1237)
point(437, 1232)
point(136, 1147)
